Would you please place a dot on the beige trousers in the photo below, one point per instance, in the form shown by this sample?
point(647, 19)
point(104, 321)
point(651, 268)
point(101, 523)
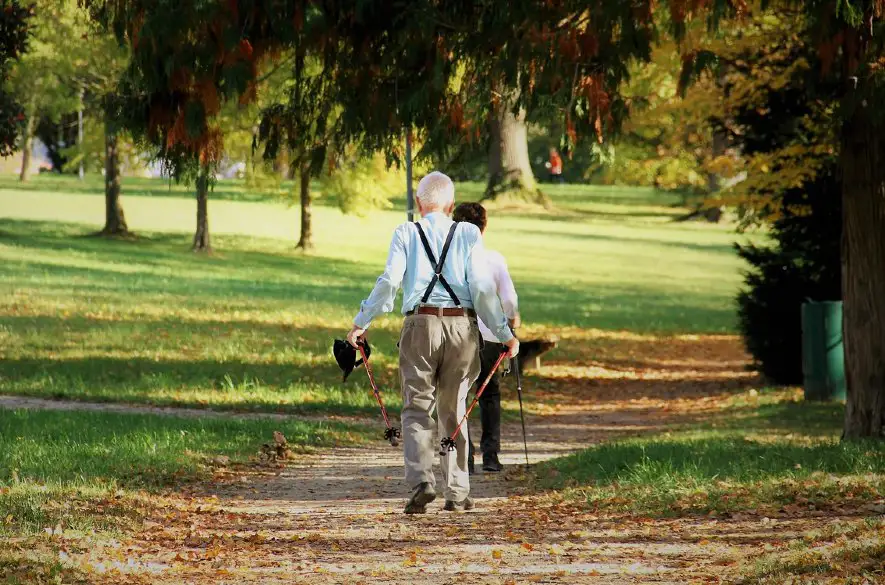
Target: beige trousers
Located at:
point(438, 363)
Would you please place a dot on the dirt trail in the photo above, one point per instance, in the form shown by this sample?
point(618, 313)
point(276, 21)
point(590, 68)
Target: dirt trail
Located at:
point(336, 516)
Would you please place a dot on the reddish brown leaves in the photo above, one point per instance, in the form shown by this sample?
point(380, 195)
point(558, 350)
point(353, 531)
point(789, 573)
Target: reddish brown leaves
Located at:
point(682, 10)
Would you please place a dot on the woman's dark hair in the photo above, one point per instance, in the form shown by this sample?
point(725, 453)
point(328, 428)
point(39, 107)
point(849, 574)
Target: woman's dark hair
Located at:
point(471, 213)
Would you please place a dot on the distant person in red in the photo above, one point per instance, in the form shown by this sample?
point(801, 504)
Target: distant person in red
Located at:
point(554, 166)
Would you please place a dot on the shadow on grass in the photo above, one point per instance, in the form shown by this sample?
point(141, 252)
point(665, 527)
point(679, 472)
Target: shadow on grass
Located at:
point(823, 419)
point(156, 265)
point(138, 450)
point(67, 466)
point(219, 384)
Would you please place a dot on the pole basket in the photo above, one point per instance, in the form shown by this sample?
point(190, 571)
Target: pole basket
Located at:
point(393, 435)
point(447, 445)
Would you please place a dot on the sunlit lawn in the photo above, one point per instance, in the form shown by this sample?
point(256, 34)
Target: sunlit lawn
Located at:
point(251, 326)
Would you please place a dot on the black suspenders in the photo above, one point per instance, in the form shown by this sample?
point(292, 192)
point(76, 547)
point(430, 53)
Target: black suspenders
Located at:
point(438, 266)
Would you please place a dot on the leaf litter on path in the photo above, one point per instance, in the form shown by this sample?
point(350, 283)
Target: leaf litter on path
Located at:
point(336, 516)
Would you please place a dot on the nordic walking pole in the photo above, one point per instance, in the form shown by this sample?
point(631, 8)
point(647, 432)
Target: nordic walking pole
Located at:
point(392, 434)
point(525, 443)
point(448, 444)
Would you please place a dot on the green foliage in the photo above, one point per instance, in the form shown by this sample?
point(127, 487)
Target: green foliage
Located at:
point(364, 184)
point(804, 264)
point(667, 140)
point(44, 78)
point(14, 22)
point(91, 151)
point(432, 67)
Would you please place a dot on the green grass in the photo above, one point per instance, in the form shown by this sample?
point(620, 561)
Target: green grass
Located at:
point(753, 456)
point(228, 190)
point(250, 327)
point(52, 462)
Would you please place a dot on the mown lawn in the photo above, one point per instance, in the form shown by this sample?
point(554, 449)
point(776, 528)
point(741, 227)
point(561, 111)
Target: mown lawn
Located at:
point(251, 326)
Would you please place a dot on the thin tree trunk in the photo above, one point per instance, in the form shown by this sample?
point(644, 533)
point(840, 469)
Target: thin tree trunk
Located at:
point(201, 236)
point(863, 272)
point(306, 241)
point(115, 221)
point(719, 145)
point(510, 170)
point(27, 144)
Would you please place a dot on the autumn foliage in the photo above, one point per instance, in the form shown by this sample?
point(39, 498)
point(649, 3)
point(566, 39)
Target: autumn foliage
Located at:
point(14, 17)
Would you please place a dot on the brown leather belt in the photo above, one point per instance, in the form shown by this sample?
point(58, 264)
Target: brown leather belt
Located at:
point(443, 312)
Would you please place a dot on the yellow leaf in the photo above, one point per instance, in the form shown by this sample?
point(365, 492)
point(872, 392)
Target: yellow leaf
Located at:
point(451, 531)
point(496, 554)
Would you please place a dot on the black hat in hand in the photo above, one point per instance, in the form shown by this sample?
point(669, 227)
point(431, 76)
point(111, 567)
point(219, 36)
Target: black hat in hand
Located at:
point(345, 354)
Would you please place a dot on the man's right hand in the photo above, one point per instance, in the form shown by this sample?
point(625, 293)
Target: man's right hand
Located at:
point(512, 347)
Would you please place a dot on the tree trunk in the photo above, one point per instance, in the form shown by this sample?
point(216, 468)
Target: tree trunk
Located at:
point(714, 180)
point(510, 171)
point(201, 236)
point(27, 145)
point(306, 241)
point(115, 221)
point(863, 272)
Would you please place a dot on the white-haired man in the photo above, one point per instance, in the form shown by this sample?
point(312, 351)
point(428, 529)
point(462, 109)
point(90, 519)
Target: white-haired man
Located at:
point(442, 268)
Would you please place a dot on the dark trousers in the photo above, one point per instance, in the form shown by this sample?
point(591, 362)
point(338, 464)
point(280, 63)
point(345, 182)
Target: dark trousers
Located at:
point(490, 401)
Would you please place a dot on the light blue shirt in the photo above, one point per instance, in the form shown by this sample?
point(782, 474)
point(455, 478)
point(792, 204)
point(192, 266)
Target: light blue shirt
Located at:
point(466, 269)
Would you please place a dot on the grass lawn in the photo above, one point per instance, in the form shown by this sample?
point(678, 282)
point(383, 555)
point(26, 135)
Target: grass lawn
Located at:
point(251, 326)
point(762, 456)
point(47, 457)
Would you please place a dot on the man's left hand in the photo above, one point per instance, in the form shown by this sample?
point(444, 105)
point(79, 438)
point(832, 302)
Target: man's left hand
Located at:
point(355, 335)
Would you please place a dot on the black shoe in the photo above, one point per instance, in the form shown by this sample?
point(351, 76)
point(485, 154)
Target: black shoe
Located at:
point(421, 496)
point(490, 462)
point(466, 504)
point(471, 468)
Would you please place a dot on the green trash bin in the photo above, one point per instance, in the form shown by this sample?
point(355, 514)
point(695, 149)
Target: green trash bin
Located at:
point(823, 358)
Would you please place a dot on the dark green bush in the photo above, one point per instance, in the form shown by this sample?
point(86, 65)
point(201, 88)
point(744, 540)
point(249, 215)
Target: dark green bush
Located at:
point(803, 264)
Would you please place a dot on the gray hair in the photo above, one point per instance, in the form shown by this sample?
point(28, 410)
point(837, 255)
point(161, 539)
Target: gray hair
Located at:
point(436, 190)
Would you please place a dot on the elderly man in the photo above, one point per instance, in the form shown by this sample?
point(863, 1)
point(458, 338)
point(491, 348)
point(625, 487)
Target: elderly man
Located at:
point(442, 268)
